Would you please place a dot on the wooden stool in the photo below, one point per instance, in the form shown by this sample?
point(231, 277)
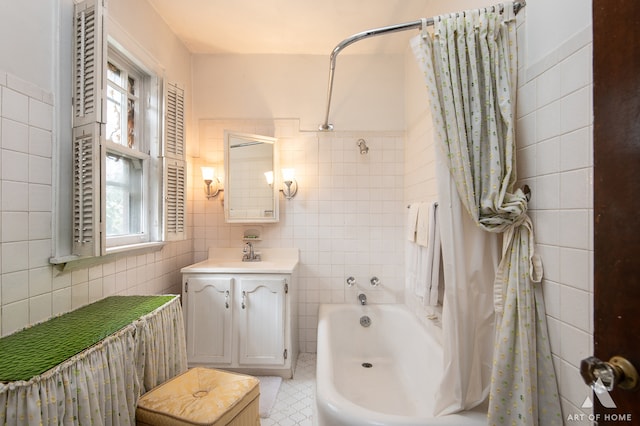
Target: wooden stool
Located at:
point(202, 396)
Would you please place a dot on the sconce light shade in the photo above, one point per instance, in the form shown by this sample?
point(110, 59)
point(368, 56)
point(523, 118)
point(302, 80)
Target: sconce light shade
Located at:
point(288, 174)
point(208, 173)
point(269, 177)
point(212, 183)
point(290, 184)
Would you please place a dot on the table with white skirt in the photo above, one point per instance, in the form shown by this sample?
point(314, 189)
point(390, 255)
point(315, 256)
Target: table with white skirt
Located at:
point(119, 347)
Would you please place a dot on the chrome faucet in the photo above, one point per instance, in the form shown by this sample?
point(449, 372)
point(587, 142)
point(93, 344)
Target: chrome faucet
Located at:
point(248, 255)
point(362, 298)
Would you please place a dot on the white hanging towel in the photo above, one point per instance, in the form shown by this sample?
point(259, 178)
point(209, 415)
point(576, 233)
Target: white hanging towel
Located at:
point(416, 265)
point(424, 222)
point(419, 270)
point(412, 221)
point(415, 274)
point(433, 260)
point(423, 256)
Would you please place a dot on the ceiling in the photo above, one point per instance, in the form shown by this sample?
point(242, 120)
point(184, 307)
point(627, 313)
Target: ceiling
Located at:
point(311, 27)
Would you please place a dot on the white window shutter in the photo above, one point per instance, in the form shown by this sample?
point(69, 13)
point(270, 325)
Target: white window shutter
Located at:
point(90, 62)
point(86, 190)
point(89, 55)
point(175, 168)
point(174, 122)
point(175, 199)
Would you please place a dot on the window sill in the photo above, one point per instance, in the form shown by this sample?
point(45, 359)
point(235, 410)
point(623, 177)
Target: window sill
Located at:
point(71, 262)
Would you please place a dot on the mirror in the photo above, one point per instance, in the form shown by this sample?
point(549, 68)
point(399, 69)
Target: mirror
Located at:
point(248, 196)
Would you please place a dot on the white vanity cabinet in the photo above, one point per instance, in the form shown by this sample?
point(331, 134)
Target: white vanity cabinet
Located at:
point(209, 318)
point(261, 320)
point(241, 318)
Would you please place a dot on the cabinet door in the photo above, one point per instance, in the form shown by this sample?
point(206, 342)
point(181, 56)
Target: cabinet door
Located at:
point(209, 319)
point(261, 320)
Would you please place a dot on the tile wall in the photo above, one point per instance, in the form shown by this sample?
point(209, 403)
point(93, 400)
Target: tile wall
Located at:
point(26, 156)
point(420, 182)
point(31, 290)
point(555, 145)
point(347, 218)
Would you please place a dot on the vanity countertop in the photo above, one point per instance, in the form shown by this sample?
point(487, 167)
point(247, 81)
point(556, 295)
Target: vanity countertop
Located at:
point(229, 260)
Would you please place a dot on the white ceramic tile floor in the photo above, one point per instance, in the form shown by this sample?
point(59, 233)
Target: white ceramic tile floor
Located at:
point(296, 398)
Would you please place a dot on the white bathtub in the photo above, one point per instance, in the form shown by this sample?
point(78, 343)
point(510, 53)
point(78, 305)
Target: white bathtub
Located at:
point(385, 374)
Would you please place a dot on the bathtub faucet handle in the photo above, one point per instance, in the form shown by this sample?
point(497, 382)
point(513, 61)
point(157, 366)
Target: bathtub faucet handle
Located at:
point(375, 282)
point(351, 282)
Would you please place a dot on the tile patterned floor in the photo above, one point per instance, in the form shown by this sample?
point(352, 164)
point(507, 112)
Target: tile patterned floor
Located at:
point(296, 397)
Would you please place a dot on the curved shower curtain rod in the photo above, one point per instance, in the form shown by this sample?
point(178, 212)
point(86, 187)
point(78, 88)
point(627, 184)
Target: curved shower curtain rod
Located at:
point(376, 32)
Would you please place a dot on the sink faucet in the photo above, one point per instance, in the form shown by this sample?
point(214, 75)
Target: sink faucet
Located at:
point(248, 255)
point(362, 298)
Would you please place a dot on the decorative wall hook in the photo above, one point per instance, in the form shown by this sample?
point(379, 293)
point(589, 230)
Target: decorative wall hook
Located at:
point(527, 192)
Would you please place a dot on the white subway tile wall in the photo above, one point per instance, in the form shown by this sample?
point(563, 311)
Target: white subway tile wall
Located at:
point(346, 219)
point(420, 164)
point(555, 127)
point(31, 290)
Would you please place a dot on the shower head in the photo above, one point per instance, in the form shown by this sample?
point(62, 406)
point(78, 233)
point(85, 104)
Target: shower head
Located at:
point(364, 149)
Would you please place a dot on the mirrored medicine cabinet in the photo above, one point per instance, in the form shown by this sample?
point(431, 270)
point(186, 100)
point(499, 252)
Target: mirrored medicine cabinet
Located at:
point(251, 168)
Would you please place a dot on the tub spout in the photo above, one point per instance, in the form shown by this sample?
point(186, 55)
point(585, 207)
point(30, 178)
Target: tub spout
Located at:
point(362, 298)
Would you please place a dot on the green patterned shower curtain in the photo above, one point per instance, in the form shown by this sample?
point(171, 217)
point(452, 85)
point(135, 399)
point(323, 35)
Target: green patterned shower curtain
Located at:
point(470, 66)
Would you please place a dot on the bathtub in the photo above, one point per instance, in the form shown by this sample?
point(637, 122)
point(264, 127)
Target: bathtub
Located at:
point(384, 374)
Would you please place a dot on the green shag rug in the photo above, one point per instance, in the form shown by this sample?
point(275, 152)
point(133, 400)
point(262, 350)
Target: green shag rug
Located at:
point(36, 349)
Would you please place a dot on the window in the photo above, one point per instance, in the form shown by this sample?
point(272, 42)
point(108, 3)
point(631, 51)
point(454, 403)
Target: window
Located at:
point(127, 181)
point(128, 170)
point(124, 87)
point(125, 199)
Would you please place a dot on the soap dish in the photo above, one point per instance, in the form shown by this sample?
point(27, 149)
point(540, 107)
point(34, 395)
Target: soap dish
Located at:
point(251, 234)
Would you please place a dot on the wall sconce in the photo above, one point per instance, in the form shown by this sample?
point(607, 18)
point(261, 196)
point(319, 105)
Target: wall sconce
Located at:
point(212, 183)
point(269, 177)
point(290, 183)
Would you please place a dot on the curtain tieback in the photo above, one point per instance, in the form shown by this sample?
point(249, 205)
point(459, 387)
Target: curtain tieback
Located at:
point(522, 225)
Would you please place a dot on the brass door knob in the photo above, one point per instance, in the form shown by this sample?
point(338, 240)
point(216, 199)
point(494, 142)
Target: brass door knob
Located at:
point(618, 371)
